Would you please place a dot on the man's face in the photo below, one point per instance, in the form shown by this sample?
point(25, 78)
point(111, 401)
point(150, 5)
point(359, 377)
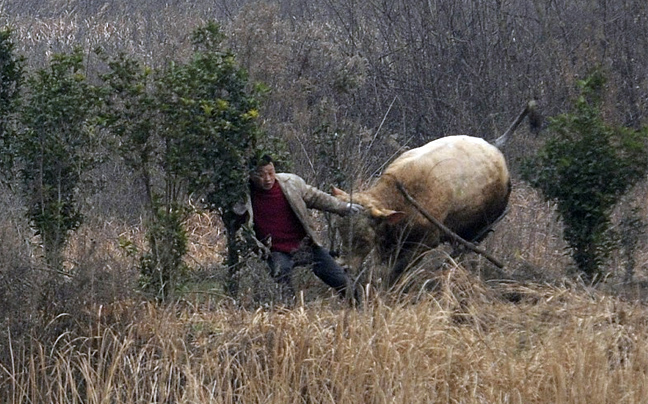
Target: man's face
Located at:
point(264, 177)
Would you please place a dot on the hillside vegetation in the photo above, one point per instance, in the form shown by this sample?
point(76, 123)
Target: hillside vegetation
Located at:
point(351, 85)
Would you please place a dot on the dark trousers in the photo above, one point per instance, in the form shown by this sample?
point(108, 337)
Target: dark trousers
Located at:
point(324, 267)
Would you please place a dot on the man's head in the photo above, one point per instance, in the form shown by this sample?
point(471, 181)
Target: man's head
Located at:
point(262, 173)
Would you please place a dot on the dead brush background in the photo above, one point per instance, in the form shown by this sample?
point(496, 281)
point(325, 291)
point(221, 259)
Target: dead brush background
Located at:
point(351, 87)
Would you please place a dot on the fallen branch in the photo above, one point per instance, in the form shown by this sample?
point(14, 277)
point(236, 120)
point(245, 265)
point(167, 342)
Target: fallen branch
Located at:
point(454, 236)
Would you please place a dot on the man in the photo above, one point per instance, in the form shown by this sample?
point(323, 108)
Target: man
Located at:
point(277, 210)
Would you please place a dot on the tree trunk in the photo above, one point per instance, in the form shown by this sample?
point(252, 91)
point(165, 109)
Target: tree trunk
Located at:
point(232, 224)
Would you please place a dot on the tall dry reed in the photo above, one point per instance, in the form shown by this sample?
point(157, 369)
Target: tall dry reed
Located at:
point(461, 342)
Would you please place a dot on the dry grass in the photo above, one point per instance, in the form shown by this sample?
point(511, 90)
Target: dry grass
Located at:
point(529, 238)
point(461, 343)
point(446, 335)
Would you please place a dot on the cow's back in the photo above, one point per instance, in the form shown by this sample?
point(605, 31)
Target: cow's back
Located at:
point(461, 180)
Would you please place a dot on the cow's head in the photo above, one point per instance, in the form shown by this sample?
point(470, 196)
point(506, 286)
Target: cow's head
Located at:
point(372, 207)
point(362, 232)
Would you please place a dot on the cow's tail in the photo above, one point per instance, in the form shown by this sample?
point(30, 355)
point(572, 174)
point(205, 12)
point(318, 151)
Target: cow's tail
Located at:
point(531, 110)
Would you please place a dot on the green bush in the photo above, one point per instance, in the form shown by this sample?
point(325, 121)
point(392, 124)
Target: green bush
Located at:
point(586, 167)
point(54, 147)
point(193, 125)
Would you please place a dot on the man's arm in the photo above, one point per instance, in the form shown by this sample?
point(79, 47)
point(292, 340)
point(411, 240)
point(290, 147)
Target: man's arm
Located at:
point(317, 199)
point(300, 193)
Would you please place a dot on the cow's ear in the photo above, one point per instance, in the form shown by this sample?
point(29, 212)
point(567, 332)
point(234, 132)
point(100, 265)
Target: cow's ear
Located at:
point(395, 216)
point(337, 192)
point(392, 216)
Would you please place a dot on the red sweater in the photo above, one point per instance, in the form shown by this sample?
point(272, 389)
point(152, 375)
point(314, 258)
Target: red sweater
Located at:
point(274, 217)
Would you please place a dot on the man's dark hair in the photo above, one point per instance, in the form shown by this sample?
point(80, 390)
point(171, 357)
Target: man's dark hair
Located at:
point(260, 161)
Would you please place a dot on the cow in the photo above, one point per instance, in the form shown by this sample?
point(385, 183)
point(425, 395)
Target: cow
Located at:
point(462, 181)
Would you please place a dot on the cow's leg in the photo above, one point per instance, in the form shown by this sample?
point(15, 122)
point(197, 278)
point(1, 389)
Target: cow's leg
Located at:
point(405, 259)
point(408, 247)
point(488, 229)
point(400, 264)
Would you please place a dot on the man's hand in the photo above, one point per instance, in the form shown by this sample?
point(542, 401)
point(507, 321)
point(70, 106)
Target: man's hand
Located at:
point(259, 247)
point(262, 248)
point(354, 208)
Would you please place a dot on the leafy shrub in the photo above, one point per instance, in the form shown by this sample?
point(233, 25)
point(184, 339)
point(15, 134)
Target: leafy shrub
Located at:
point(53, 148)
point(193, 126)
point(586, 167)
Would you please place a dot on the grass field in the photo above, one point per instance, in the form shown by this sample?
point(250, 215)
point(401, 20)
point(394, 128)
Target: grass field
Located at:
point(464, 342)
point(453, 336)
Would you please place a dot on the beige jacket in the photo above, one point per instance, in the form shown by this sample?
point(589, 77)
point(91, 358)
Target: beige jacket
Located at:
point(301, 197)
